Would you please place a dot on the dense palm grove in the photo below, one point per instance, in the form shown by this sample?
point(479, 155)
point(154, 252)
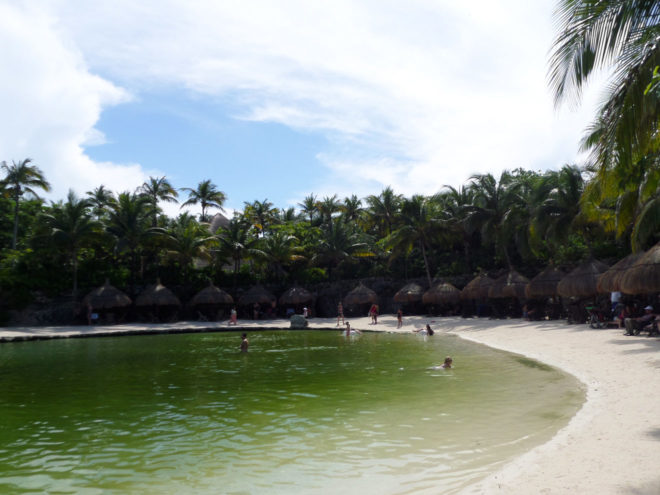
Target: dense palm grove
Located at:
point(521, 219)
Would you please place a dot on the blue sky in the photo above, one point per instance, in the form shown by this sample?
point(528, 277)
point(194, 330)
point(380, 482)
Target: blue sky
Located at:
point(279, 100)
point(191, 140)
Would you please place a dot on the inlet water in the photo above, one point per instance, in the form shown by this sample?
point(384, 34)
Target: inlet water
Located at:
point(302, 412)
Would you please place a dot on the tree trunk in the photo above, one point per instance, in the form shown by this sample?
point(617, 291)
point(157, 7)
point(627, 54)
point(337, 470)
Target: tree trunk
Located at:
point(13, 240)
point(74, 260)
point(426, 263)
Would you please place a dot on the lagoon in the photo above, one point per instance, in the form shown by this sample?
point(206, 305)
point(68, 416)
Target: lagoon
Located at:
point(302, 412)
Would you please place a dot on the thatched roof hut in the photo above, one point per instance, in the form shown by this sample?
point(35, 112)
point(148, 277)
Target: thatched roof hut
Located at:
point(218, 220)
point(610, 281)
point(256, 294)
point(296, 295)
point(477, 288)
point(361, 295)
point(545, 283)
point(211, 295)
point(582, 281)
point(410, 293)
point(157, 295)
point(511, 284)
point(643, 277)
point(107, 297)
point(444, 293)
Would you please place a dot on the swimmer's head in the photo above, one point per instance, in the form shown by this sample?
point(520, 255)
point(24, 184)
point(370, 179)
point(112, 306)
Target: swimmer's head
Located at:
point(448, 360)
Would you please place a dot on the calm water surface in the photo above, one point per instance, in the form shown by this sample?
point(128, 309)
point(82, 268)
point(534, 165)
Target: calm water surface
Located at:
point(303, 412)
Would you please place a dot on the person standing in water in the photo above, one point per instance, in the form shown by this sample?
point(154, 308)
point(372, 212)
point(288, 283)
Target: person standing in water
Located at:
point(350, 330)
point(340, 313)
point(244, 343)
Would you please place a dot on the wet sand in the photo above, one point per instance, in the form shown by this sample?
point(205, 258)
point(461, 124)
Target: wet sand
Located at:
point(611, 446)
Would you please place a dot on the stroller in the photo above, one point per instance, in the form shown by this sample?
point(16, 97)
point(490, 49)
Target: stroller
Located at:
point(597, 317)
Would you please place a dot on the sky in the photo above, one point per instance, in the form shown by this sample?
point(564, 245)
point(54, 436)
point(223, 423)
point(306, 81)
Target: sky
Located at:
point(279, 100)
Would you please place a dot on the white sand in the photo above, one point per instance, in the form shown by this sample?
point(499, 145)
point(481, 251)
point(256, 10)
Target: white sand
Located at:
point(612, 446)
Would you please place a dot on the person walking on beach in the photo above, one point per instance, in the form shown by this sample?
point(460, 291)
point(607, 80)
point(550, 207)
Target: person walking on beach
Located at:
point(399, 318)
point(340, 313)
point(233, 317)
point(373, 312)
point(244, 343)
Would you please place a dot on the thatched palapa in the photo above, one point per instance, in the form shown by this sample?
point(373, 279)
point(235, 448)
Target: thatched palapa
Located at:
point(610, 281)
point(107, 297)
point(545, 283)
point(360, 295)
point(218, 221)
point(157, 295)
point(295, 296)
point(256, 294)
point(583, 281)
point(410, 293)
point(211, 295)
point(644, 276)
point(477, 288)
point(444, 293)
point(511, 284)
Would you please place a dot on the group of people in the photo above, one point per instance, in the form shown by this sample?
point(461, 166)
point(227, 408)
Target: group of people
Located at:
point(635, 325)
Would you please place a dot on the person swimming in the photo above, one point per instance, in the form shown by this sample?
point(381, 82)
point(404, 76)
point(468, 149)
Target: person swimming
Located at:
point(425, 331)
point(446, 365)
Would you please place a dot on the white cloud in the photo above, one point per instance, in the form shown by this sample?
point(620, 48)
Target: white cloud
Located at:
point(414, 94)
point(50, 103)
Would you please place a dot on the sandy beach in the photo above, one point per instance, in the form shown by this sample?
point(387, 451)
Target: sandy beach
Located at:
point(612, 446)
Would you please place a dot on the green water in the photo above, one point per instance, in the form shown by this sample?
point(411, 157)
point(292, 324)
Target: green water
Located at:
point(302, 412)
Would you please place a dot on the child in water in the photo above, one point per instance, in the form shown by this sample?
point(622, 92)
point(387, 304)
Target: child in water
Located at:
point(244, 343)
point(350, 330)
point(446, 365)
point(425, 331)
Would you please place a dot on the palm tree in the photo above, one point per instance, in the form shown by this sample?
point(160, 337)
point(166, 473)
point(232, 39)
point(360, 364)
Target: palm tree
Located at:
point(621, 37)
point(626, 202)
point(454, 210)
point(186, 240)
point(278, 250)
point(158, 189)
point(207, 195)
point(496, 210)
point(558, 212)
point(261, 214)
point(327, 207)
point(22, 178)
point(72, 227)
point(340, 242)
point(383, 210)
point(128, 223)
point(420, 227)
point(352, 208)
point(235, 242)
point(101, 199)
point(287, 215)
point(309, 206)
